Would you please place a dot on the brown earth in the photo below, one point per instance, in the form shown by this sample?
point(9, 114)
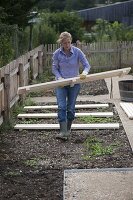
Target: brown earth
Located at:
point(32, 162)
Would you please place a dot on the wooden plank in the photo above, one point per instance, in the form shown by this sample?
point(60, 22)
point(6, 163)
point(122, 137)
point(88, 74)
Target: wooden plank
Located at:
point(7, 97)
point(104, 105)
point(35, 55)
point(71, 81)
point(14, 100)
point(40, 66)
point(74, 126)
point(14, 72)
point(26, 66)
point(53, 115)
point(128, 109)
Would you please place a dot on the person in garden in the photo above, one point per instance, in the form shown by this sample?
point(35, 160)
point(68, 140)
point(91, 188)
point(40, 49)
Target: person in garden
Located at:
point(66, 64)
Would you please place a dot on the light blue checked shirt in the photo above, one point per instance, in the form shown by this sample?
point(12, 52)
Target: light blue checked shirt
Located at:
point(65, 66)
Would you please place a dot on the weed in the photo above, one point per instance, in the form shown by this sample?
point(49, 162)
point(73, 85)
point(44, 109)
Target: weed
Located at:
point(91, 119)
point(32, 162)
point(29, 121)
point(29, 102)
point(95, 147)
point(13, 173)
point(18, 108)
point(6, 126)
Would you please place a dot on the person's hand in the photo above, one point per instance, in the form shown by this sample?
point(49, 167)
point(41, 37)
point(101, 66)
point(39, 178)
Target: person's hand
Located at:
point(73, 82)
point(60, 78)
point(83, 75)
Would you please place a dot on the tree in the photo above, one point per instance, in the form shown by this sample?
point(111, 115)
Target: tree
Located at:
point(106, 31)
point(52, 5)
point(65, 21)
point(17, 11)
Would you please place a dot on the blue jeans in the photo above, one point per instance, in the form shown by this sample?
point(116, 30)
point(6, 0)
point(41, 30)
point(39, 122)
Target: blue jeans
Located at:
point(66, 100)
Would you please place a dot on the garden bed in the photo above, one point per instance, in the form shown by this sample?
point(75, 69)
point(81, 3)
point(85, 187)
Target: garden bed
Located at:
point(32, 162)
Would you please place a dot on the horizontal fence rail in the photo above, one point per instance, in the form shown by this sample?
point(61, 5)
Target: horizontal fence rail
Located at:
point(20, 72)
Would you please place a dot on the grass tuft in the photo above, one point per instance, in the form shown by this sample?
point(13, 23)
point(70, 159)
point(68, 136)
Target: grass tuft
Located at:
point(95, 148)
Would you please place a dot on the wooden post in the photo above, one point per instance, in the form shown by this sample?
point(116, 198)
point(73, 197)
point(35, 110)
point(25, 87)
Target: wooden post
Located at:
point(21, 80)
point(6, 97)
point(44, 58)
point(40, 67)
point(119, 55)
point(1, 100)
point(31, 68)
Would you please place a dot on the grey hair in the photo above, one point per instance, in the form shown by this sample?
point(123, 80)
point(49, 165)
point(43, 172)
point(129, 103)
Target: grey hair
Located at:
point(63, 36)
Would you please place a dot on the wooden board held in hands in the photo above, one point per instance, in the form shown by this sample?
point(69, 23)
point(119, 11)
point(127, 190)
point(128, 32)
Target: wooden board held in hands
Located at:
point(72, 81)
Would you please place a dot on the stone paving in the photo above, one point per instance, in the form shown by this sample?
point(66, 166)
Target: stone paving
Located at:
point(98, 184)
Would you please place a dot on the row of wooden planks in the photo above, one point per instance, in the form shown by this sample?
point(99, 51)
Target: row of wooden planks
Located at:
point(74, 126)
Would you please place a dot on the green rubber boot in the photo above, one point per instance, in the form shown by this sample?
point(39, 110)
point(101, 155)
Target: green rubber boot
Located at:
point(64, 134)
point(69, 124)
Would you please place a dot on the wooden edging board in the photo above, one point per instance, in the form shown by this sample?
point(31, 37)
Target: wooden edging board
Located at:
point(104, 105)
point(74, 126)
point(53, 115)
point(72, 81)
point(128, 109)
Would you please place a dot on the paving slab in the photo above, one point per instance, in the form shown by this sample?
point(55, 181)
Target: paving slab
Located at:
point(98, 184)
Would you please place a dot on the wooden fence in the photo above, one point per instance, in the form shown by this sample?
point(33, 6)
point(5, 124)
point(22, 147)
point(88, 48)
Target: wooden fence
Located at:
point(102, 56)
point(15, 74)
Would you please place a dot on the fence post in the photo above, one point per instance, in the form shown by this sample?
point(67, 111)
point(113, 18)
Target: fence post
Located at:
point(40, 62)
point(1, 99)
point(119, 55)
point(21, 79)
point(44, 58)
point(31, 68)
point(6, 97)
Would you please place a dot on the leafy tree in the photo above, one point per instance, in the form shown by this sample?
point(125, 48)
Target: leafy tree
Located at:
point(65, 21)
point(129, 34)
point(47, 35)
point(17, 10)
point(6, 50)
point(6, 43)
point(101, 30)
point(52, 5)
point(118, 31)
point(106, 31)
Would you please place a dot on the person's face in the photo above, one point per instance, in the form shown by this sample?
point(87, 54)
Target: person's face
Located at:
point(66, 44)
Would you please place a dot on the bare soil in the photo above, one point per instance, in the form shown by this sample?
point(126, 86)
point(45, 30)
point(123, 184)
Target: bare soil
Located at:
point(32, 162)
